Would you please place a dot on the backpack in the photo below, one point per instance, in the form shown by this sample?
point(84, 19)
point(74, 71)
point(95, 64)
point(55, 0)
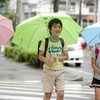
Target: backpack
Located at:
point(40, 63)
point(96, 51)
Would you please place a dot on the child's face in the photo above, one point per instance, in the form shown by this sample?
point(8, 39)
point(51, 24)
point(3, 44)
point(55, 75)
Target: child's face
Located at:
point(55, 29)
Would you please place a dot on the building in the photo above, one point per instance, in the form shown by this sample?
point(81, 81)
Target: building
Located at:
point(31, 8)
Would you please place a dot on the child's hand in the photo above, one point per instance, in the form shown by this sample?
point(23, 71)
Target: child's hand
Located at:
point(52, 59)
point(53, 56)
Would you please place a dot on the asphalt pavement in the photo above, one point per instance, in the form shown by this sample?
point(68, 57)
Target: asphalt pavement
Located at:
point(23, 82)
point(15, 71)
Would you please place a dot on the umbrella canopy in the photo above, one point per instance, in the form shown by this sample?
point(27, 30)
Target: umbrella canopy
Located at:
point(6, 30)
point(91, 34)
point(29, 32)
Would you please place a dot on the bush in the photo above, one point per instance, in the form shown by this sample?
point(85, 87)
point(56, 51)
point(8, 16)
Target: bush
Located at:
point(20, 55)
point(15, 53)
point(33, 58)
point(9, 50)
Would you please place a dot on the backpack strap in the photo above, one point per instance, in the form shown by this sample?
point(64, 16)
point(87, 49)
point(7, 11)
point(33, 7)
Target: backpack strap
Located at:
point(46, 45)
point(62, 42)
point(96, 51)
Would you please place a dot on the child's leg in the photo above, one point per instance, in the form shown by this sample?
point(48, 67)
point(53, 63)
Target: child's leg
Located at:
point(97, 93)
point(47, 96)
point(60, 84)
point(60, 95)
point(48, 83)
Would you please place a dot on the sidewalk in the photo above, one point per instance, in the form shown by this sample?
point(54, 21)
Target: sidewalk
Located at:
point(15, 71)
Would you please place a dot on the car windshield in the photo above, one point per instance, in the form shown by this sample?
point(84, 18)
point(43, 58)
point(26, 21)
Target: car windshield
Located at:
point(74, 47)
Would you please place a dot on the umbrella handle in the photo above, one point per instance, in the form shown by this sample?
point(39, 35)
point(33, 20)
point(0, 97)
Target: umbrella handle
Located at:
point(19, 48)
point(56, 62)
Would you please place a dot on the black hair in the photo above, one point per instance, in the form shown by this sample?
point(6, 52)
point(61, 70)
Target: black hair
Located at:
point(56, 21)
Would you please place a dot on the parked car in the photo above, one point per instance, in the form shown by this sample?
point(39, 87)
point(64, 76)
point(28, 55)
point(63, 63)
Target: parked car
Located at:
point(75, 53)
point(83, 42)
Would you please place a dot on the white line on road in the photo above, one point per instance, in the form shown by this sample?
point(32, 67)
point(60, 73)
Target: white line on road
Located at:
point(19, 98)
point(79, 71)
point(34, 93)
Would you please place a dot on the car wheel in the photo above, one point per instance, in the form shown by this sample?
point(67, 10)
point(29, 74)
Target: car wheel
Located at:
point(65, 64)
point(77, 64)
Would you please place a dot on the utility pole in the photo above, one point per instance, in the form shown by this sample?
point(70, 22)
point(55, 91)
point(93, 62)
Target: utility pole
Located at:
point(98, 10)
point(79, 21)
point(19, 12)
point(67, 7)
point(18, 16)
point(51, 6)
point(95, 11)
point(56, 5)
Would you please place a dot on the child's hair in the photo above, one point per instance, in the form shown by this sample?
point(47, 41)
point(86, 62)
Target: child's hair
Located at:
point(51, 22)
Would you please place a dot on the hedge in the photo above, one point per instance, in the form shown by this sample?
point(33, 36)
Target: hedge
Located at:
point(20, 55)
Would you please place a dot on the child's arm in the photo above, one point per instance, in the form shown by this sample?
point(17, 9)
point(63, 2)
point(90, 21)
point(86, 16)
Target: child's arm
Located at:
point(93, 64)
point(44, 59)
point(64, 57)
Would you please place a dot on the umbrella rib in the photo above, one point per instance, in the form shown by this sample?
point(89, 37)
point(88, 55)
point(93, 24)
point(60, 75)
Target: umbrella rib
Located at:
point(38, 28)
point(5, 19)
point(6, 27)
point(40, 25)
point(70, 35)
point(93, 39)
point(47, 33)
point(2, 39)
point(25, 27)
point(35, 24)
point(34, 33)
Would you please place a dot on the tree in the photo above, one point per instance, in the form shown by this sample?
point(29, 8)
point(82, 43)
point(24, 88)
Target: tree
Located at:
point(3, 3)
point(4, 7)
point(56, 5)
point(11, 15)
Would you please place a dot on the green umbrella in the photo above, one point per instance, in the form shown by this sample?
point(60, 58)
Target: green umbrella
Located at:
point(29, 32)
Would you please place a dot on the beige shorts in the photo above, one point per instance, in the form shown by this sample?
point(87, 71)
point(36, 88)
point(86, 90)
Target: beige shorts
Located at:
point(51, 78)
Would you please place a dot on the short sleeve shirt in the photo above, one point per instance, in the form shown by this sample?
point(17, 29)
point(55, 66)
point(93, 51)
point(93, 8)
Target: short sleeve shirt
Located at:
point(54, 47)
point(95, 73)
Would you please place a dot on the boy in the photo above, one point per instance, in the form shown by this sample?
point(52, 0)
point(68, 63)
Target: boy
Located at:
point(53, 74)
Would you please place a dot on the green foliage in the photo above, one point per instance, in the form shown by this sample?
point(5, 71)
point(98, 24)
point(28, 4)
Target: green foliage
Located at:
point(9, 50)
point(11, 15)
point(20, 55)
point(3, 3)
point(33, 58)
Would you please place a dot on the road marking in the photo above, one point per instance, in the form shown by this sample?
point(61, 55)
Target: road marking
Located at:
point(79, 71)
point(33, 91)
point(19, 98)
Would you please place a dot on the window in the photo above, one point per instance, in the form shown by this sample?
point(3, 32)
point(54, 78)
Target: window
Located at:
point(71, 6)
point(91, 7)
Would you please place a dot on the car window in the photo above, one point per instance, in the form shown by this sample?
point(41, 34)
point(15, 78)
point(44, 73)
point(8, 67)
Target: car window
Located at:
point(74, 47)
point(71, 48)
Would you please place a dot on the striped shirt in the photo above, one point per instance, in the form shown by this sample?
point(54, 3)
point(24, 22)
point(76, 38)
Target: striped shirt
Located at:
point(54, 47)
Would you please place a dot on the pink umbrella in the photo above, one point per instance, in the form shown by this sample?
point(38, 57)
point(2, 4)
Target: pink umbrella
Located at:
point(6, 30)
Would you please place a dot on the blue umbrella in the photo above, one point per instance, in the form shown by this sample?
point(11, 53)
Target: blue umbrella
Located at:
point(92, 34)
